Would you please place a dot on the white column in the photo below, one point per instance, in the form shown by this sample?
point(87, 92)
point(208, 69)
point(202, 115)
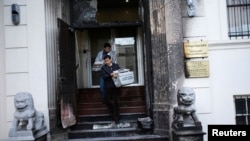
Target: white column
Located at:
point(2, 75)
point(37, 55)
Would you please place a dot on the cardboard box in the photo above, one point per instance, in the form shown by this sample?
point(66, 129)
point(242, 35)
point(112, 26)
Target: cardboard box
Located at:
point(124, 78)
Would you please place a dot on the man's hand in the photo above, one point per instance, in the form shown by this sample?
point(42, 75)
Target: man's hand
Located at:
point(113, 74)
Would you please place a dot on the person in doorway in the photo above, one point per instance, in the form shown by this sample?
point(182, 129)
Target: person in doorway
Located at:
point(111, 91)
point(99, 58)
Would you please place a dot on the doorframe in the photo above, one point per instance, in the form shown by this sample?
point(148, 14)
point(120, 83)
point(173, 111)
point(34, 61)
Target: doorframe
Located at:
point(140, 63)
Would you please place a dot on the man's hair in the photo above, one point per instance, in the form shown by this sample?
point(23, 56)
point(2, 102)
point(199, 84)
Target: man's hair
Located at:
point(106, 45)
point(106, 56)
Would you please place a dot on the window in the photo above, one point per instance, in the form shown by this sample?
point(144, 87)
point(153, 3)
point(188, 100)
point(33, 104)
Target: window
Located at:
point(126, 49)
point(238, 12)
point(242, 109)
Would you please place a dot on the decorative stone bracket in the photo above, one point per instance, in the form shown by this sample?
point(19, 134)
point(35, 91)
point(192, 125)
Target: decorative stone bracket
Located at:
point(191, 8)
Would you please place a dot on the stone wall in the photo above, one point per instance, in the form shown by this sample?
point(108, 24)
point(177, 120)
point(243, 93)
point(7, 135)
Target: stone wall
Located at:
point(2, 73)
point(167, 60)
point(24, 56)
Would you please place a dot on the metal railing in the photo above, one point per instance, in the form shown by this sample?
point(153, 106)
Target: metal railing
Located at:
point(242, 109)
point(238, 12)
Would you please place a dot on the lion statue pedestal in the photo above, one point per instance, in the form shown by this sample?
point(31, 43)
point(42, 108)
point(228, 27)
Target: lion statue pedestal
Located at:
point(28, 123)
point(186, 125)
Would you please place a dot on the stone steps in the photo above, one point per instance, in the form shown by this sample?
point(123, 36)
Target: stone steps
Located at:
point(126, 138)
point(95, 124)
point(132, 100)
point(104, 128)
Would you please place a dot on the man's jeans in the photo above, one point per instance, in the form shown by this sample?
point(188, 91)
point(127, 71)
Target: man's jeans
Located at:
point(102, 87)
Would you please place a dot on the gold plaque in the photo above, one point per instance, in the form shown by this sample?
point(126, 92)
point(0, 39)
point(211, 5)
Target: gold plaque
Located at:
point(197, 69)
point(196, 49)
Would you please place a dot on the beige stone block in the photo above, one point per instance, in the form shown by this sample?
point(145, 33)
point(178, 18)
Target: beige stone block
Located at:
point(2, 82)
point(196, 82)
point(2, 110)
point(16, 60)
point(194, 27)
point(4, 133)
point(1, 32)
point(16, 82)
point(203, 96)
point(10, 2)
point(10, 109)
point(2, 72)
point(216, 19)
point(8, 16)
point(15, 36)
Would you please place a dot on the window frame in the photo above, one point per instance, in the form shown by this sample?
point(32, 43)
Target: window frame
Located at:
point(246, 113)
point(238, 18)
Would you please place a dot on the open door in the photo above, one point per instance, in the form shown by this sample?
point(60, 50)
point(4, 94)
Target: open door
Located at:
point(67, 74)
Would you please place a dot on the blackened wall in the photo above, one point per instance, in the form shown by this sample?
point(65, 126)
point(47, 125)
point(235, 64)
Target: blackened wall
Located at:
point(165, 64)
point(147, 56)
point(54, 9)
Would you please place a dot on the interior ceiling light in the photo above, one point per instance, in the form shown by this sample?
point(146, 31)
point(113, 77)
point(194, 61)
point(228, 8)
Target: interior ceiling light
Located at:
point(127, 0)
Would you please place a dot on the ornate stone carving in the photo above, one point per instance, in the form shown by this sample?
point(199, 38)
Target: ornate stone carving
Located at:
point(185, 112)
point(191, 7)
point(186, 125)
point(28, 123)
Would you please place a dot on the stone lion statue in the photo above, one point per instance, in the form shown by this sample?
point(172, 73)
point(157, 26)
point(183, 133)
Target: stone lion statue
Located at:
point(185, 112)
point(26, 117)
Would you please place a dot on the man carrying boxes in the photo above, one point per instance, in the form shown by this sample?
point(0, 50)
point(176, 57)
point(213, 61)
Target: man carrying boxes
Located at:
point(111, 91)
point(114, 77)
point(99, 62)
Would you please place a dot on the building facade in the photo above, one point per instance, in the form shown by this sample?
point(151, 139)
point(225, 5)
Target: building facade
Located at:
point(29, 59)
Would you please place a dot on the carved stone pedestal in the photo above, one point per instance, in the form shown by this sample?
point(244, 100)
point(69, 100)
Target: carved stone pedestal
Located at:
point(186, 125)
point(188, 134)
point(31, 135)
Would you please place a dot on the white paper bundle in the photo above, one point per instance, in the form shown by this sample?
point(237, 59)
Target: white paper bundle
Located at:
point(124, 78)
point(97, 66)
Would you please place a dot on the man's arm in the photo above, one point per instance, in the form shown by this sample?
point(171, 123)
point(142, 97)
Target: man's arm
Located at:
point(105, 73)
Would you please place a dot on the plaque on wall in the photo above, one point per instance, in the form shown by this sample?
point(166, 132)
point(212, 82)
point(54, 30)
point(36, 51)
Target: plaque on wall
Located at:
point(195, 49)
point(196, 69)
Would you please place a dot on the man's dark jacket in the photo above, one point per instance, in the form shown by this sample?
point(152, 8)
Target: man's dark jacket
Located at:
point(106, 71)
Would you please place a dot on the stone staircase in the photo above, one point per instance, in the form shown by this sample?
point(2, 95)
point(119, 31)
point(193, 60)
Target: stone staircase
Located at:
point(95, 124)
